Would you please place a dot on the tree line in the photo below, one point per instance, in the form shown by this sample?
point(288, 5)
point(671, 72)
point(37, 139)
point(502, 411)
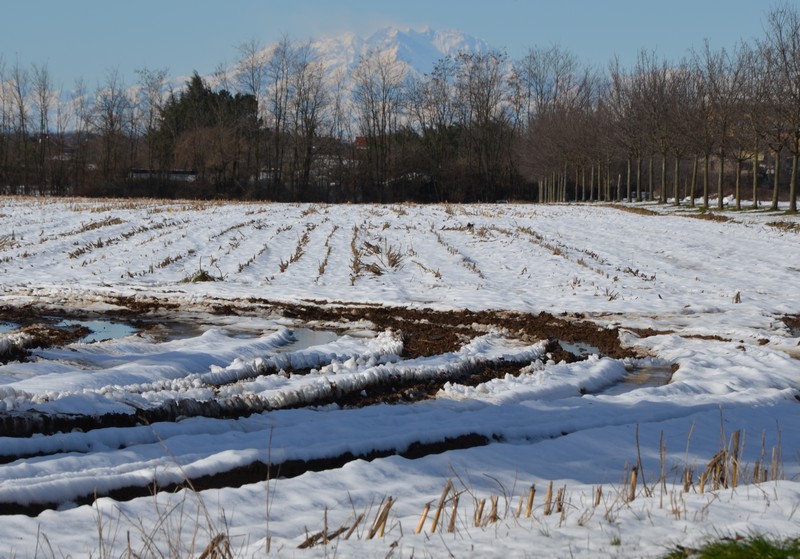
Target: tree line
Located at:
point(478, 127)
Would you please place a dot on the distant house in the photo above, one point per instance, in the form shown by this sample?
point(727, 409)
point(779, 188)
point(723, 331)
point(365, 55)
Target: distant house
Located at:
point(174, 175)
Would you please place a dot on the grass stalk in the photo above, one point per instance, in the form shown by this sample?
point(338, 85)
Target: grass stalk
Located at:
point(529, 506)
point(438, 512)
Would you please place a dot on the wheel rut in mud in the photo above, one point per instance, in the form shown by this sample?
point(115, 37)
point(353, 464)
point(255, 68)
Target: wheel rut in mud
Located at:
point(424, 333)
point(256, 472)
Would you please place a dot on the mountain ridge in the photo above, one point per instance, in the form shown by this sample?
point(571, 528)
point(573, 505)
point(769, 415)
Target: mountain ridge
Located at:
point(418, 49)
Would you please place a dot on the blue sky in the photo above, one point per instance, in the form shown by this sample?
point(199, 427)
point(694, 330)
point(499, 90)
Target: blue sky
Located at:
point(88, 38)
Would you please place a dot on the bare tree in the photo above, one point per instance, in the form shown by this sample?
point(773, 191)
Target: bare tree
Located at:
point(485, 113)
point(5, 127)
point(335, 152)
point(743, 135)
point(378, 91)
point(547, 77)
point(278, 71)
point(783, 48)
point(431, 101)
point(81, 113)
point(151, 96)
point(656, 104)
point(20, 90)
point(42, 101)
point(626, 107)
point(111, 105)
point(724, 76)
point(560, 105)
point(251, 77)
point(681, 97)
point(59, 169)
point(309, 104)
point(771, 123)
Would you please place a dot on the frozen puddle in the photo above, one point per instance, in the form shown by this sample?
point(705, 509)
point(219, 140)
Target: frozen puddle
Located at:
point(306, 338)
point(8, 327)
point(303, 337)
point(641, 376)
point(100, 330)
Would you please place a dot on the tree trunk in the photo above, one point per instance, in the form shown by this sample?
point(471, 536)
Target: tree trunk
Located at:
point(693, 184)
point(677, 200)
point(793, 182)
point(720, 177)
point(650, 180)
point(755, 175)
point(629, 180)
point(705, 181)
point(638, 179)
point(662, 197)
point(738, 181)
point(583, 183)
point(776, 184)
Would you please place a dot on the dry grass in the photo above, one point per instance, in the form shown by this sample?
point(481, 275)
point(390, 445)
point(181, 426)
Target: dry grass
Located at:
point(355, 264)
point(468, 263)
point(434, 273)
point(708, 216)
point(632, 209)
point(324, 264)
point(299, 249)
point(787, 226)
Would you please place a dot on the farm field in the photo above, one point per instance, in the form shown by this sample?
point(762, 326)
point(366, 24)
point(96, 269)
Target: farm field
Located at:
point(247, 379)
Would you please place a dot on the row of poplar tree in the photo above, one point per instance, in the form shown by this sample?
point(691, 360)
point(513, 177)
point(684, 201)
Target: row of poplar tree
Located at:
point(718, 124)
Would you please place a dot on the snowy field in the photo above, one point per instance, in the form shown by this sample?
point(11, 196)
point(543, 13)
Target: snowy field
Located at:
point(340, 368)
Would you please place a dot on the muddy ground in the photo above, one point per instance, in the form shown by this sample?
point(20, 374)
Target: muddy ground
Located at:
point(425, 332)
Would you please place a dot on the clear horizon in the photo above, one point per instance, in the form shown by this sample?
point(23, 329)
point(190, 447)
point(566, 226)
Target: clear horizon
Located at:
point(90, 38)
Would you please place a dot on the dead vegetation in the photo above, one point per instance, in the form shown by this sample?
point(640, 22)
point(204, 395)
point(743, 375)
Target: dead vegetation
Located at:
point(632, 209)
point(299, 250)
point(709, 216)
point(785, 226)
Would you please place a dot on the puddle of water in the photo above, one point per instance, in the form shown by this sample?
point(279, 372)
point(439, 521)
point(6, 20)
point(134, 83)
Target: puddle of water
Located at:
point(8, 327)
point(100, 329)
point(306, 337)
point(579, 348)
point(180, 330)
point(170, 331)
point(641, 377)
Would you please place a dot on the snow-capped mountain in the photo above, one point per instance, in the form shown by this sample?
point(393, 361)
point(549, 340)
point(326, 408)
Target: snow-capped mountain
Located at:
point(416, 50)
point(419, 50)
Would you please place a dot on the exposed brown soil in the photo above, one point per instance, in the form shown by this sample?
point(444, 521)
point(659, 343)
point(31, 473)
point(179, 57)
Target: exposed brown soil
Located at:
point(793, 323)
point(429, 332)
point(425, 332)
point(259, 471)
